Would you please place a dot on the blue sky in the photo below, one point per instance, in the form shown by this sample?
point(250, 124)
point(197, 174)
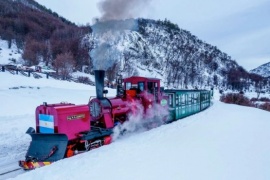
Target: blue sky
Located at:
point(240, 28)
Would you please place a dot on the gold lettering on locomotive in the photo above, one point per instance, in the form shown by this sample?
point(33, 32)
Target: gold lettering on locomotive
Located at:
point(78, 116)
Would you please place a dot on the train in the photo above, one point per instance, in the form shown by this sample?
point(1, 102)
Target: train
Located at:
point(65, 129)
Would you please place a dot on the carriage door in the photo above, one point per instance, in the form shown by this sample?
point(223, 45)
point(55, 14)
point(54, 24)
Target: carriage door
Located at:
point(171, 100)
point(156, 92)
point(172, 109)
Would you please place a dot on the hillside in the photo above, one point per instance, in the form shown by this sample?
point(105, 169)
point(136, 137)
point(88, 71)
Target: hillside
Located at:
point(263, 70)
point(40, 34)
point(166, 51)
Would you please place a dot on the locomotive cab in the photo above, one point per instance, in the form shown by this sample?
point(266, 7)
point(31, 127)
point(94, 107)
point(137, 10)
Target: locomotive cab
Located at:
point(142, 87)
point(145, 90)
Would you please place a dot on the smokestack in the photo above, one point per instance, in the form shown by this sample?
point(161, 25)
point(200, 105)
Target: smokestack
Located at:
point(99, 78)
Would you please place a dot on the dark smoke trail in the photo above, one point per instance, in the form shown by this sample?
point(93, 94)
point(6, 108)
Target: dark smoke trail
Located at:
point(121, 9)
point(104, 56)
point(106, 30)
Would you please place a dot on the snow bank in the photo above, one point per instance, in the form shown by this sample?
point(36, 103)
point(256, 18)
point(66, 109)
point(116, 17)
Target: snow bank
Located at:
point(223, 142)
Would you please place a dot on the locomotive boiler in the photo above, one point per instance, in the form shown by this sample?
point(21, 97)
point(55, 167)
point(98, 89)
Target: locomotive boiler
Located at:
point(65, 129)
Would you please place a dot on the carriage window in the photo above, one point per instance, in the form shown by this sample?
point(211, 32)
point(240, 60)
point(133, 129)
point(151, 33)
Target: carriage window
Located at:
point(177, 99)
point(196, 98)
point(128, 85)
point(141, 86)
point(134, 86)
point(183, 99)
point(171, 100)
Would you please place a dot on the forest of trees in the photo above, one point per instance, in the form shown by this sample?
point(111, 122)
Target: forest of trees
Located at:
point(42, 35)
point(240, 79)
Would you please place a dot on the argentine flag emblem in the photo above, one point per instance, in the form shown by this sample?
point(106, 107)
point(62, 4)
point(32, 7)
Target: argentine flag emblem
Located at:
point(46, 123)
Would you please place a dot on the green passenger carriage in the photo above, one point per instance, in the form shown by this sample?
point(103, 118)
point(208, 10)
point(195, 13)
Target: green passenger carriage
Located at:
point(183, 103)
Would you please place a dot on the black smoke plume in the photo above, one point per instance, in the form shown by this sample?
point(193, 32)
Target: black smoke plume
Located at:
point(121, 9)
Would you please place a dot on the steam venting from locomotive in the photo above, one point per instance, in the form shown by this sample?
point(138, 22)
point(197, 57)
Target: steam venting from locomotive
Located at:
point(104, 55)
point(106, 32)
point(139, 121)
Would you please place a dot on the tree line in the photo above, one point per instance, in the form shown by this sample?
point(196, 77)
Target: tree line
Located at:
point(42, 35)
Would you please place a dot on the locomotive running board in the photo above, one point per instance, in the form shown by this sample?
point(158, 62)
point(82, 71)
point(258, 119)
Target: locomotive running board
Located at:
point(45, 148)
point(96, 133)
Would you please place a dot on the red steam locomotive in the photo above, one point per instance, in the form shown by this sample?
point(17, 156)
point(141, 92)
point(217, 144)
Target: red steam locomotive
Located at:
point(64, 130)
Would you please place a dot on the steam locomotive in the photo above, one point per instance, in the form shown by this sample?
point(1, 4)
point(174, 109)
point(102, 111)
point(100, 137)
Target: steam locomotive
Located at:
point(65, 129)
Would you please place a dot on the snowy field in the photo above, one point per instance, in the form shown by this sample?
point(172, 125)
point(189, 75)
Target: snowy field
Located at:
point(7, 54)
point(224, 142)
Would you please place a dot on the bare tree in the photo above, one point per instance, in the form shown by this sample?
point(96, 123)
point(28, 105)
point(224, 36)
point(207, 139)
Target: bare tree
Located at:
point(64, 64)
point(111, 72)
point(32, 51)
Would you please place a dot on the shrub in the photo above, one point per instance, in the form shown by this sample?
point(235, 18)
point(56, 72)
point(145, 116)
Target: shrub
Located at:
point(85, 80)
point(254, 99)
point(265, 106)
point(64, 64)
point(235, 98)
point(241, 92)
point(264, 99)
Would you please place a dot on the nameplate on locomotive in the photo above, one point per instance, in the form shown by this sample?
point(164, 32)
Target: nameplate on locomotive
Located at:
point(73, 117)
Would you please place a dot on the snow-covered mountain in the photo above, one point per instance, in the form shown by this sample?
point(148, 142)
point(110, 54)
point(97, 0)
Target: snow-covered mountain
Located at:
point(163, 49)
point(132, 46)
point(263, 70)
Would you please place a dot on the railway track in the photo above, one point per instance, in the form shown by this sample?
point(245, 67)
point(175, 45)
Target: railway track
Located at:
point(10, 170)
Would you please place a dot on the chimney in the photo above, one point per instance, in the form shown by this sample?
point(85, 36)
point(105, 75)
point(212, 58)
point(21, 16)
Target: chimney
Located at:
point(99, 78)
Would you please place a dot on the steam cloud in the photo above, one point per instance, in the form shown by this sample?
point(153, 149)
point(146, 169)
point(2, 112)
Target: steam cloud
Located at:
point(139, 122)
point(105, 54)
point(121, 9)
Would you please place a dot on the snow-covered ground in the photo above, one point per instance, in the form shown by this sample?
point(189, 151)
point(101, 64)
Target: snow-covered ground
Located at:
point(9, 54)
point(222, 142)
